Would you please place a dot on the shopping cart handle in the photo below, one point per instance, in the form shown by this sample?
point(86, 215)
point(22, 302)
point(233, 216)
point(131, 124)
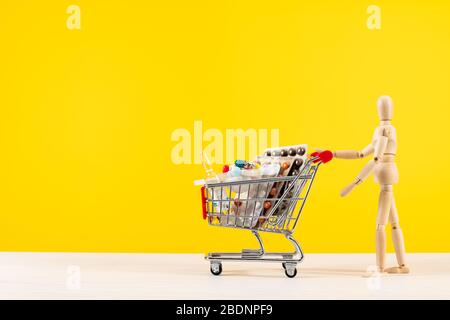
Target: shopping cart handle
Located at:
point(322, 157)
point(203, 202)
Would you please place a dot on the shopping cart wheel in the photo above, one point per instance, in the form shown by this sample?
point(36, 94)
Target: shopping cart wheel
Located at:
point(283, 264)
point(216, 268)
point(290, 272)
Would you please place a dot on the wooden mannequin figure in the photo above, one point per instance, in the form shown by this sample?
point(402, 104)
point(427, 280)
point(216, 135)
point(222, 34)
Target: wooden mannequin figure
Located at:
point(384, 148)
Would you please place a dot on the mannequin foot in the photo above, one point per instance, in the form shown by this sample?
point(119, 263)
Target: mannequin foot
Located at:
point(398, 270)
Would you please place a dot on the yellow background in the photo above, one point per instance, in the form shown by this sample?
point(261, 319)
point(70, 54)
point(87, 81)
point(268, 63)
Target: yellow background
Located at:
point(86, 116)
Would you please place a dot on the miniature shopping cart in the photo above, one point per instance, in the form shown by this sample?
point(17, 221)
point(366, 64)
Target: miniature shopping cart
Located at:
point(219, 200)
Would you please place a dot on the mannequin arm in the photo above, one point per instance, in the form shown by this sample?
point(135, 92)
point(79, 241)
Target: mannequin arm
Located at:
point(354, 154)
point(380, 147)
point(365, 172)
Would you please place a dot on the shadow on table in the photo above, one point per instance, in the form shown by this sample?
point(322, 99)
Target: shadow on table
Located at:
point(320, 272)
point(302, 273)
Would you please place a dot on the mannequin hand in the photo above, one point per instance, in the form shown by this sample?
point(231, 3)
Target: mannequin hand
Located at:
point(348, 189)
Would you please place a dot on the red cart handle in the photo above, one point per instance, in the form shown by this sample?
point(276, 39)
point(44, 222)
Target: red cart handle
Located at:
point(323, 156)
point(203, 202)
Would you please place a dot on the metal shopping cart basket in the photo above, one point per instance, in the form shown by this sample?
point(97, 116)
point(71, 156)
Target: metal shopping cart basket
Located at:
point(282, 217)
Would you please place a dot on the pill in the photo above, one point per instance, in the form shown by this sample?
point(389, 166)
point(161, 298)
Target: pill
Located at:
point(283, 153)
point(301, 151)
point(292, 152)
point(273, 192)
point(240, 163)
point(285, 165)
point(298, 163)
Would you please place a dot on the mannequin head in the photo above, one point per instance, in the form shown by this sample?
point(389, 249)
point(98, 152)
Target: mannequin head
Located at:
point(385, 108)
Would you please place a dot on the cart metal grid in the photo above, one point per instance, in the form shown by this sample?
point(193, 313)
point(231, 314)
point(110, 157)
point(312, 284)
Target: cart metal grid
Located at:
point(231, 205)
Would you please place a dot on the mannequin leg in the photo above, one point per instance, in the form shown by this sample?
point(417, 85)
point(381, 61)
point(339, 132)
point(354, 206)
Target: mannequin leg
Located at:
point(397, 239)
point(381, 247)
point(384, 207)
